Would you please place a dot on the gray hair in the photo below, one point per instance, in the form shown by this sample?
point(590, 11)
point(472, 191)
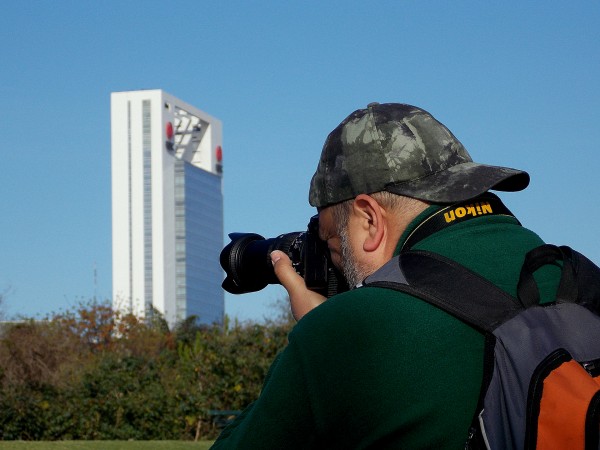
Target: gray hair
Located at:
point(397, 203)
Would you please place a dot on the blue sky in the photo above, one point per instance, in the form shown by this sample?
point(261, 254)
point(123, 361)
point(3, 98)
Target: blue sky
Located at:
point(517, 82)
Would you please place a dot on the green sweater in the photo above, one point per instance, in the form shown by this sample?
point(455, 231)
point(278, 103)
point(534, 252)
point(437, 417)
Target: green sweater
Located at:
point(376, 368)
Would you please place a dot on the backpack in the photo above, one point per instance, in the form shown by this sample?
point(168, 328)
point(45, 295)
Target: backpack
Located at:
point(541, 384)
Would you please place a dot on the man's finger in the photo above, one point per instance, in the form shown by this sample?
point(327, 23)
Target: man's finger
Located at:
point(287, 276)
point(302, 299)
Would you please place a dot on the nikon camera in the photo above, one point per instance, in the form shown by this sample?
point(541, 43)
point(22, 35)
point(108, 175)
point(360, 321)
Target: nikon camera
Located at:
point(247, 262)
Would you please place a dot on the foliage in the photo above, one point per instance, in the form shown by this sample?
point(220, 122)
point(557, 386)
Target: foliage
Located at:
point(105, 445)
point(93, 374)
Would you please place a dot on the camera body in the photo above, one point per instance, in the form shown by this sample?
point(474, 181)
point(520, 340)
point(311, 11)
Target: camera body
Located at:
point(247, 262)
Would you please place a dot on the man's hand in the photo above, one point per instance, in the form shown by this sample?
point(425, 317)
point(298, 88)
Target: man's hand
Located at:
point(302, 299)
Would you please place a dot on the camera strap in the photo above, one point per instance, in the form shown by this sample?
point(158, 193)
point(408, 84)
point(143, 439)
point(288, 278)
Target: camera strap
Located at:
point(487, 204)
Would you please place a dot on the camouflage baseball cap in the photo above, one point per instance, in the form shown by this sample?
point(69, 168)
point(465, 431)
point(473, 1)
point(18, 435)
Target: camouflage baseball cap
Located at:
point(402, 149)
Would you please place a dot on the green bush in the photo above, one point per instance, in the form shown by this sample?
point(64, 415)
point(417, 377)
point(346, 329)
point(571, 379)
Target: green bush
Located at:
point(94, 375)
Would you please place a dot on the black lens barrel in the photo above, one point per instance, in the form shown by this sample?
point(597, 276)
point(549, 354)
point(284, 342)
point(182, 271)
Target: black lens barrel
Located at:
point(247, 262)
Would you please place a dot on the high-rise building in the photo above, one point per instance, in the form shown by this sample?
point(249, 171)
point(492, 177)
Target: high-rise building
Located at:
point(167, 207)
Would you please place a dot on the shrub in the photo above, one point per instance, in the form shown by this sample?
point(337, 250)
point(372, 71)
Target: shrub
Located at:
point(92, 374)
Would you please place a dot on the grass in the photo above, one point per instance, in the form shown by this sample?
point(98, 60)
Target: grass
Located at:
point(105, 445)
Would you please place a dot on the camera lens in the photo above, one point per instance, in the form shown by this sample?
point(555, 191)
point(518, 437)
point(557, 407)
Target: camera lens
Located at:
point(247, 262)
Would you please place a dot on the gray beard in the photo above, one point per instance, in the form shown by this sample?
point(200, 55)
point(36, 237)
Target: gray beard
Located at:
point(353, 272)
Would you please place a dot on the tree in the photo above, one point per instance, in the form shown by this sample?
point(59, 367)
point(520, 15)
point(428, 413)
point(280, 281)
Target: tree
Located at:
point(95, 374)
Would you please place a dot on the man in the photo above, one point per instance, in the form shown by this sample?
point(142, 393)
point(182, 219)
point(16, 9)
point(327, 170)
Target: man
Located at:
point(373, 367)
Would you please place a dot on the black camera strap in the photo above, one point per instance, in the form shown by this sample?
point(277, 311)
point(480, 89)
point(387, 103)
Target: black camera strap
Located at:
point(486, 204)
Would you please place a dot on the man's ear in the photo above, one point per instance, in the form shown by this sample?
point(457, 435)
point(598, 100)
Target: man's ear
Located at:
point(372, 221)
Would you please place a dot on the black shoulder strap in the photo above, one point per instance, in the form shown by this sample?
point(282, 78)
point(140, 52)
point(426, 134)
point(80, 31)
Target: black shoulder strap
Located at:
point(448, 285)
point(470, 297)
point(487, 204)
